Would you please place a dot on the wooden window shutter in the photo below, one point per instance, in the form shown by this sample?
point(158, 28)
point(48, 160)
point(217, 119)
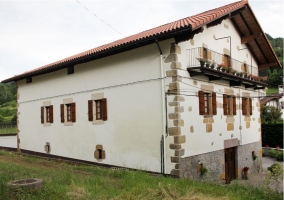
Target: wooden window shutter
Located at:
point(42, 114)
point(209, 55)
point(97, 154)
point(200, 51)
point(201, 102)
point(214, 103)
point(62, 113)
point(103, 154)
point(73, 112)
point(51, 114)
point(250, 106)
point(244, 108)
point(225, 104)
point(90, 110)
point(234, 106)
point(104, 109)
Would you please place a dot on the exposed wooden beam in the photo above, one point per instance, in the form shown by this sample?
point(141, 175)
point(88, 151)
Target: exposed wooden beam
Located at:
point(259, 88)
point(250, 86)
point(235, 83)
point(214, 78)
point(196, 73)
point(249, 38)
point(266, 66)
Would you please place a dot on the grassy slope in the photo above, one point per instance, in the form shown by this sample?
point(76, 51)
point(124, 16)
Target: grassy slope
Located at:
point(271, 91)
point(67, 181)
point(8, 110)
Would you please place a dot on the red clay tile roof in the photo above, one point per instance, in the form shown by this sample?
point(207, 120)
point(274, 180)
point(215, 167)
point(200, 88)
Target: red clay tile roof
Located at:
point(194, 22)
point(273, 96)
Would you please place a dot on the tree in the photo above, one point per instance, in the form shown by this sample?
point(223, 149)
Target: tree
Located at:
point(270, 114)
point(275, 77)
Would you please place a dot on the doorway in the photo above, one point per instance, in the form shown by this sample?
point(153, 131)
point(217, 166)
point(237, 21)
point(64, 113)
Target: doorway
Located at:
point(230, 164)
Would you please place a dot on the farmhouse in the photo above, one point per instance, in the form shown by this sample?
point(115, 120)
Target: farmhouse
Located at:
point(175, 99)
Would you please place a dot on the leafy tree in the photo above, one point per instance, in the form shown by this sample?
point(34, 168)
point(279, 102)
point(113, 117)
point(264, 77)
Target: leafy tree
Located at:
point(275, 77)
point(273, 116)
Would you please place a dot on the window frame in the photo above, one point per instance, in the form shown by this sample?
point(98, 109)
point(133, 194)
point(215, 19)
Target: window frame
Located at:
point(97, 109)
point(229, 105)
point(246, 106)
point(211, 103)
point(68, 112)
point(46, 114)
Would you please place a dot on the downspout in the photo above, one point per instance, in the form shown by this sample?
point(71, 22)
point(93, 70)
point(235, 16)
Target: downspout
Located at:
point(164, 128)
point(241, 138)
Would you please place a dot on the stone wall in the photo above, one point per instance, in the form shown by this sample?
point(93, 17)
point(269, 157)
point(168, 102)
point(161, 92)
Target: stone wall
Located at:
point(215, 163)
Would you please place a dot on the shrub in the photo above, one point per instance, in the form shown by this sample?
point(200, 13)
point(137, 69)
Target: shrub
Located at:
point(273, 153)
point(276, 168)
point(280, 156)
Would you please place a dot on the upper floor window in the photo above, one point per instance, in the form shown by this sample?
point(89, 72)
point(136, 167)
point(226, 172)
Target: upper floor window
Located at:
point(229, 104)
point(207, 103)
point(97, 109)
point(227, 60)
point(68, 112)
point(46, 114)
point(246, 106)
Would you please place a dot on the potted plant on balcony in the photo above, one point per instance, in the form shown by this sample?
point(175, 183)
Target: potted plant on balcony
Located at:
point(202, 61)
point(242, 74)
point(207, 62)
point(212, 65)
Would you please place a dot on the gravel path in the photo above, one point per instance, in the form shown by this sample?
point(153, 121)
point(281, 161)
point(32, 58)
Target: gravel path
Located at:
point(258, 180)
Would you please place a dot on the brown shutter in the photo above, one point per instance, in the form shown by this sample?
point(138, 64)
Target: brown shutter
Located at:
point(250, 106)
point(244, 109)
point(104, 109)
point(103, 154)
point(73, 112)
point(200, 51)
point(201, 102)
point(214, 103)
point(51, 114)
point(209, 54)
point(42, 114)
point(225, 104)
point(90, 110)
point(234, 106)
point(97, 154)
point(62, 113)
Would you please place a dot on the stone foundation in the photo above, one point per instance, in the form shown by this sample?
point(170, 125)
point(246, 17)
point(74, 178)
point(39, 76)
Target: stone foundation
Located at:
point(215, 163)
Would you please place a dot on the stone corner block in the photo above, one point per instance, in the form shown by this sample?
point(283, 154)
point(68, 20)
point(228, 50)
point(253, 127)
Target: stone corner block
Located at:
point(174, 131)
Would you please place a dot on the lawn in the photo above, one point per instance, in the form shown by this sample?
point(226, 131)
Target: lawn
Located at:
point(271, 90)
point(77, 181)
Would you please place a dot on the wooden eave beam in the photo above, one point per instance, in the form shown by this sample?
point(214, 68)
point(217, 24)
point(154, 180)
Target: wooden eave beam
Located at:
point(266, 66)
point(192, 74)
point(235, 83)
point(259, 88)
point(214, 78)
point(250, 86)
point(249, 38)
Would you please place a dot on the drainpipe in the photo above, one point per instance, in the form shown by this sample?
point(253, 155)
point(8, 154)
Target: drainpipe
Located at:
point(241, 138)
point(164, 128)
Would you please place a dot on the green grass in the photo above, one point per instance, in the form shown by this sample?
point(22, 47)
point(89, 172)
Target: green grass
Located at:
point(6, 129)
point(271, 91)
point(73, 181)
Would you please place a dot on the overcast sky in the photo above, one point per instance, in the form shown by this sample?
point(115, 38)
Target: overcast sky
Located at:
point(36, 33)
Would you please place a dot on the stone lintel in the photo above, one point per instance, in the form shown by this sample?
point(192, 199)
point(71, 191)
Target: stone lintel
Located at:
point(231, 143)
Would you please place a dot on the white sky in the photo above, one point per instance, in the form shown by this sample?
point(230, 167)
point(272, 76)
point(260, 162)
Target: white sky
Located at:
point(36, 33)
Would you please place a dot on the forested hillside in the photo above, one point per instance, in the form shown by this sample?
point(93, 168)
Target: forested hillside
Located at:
point(8, 92)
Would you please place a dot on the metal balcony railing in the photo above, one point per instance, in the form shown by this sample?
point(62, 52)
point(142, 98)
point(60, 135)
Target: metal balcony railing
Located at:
point(218, 59)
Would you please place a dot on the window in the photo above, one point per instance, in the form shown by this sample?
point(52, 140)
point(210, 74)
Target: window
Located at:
point(207, 103)
point(229, 104)
point(100, 108)
point(205, 53)
point(46, 114)
point(227, 60)
point(246, 106)
point(68, 112)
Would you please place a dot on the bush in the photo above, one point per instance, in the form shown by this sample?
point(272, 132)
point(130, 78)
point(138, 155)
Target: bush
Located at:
point(279, 156)
point(273, 153)
point(1, 118)
point(276, 168)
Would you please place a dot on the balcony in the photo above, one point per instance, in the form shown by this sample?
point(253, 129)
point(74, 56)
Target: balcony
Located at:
point(236, 72)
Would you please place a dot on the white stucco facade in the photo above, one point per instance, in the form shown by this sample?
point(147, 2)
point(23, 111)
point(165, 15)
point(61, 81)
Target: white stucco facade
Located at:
point(148, 96)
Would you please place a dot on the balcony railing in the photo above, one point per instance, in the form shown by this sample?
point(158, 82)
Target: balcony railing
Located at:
point(218, 59)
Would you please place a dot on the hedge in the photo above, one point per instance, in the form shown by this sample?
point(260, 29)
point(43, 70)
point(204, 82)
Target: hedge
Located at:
point(272, 135)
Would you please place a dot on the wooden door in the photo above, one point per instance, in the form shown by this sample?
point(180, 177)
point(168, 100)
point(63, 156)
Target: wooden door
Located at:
point(230, 164)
